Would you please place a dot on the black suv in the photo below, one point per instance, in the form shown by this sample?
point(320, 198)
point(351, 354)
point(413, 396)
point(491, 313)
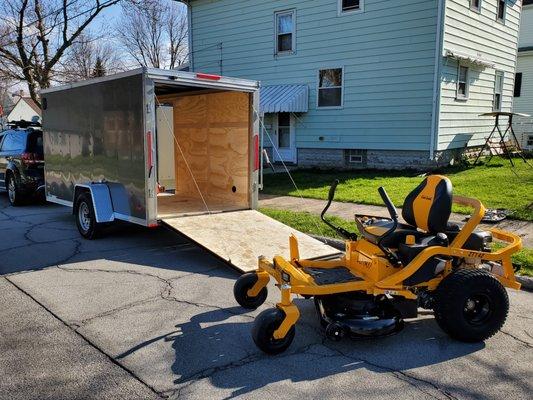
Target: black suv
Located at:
point(22, 162)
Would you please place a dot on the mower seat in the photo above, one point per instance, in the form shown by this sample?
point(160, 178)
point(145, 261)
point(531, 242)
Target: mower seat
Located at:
point(373, 233)
point(426, 210)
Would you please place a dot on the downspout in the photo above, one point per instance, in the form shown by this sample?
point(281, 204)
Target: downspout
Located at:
point(189, 31)
point(436, 78)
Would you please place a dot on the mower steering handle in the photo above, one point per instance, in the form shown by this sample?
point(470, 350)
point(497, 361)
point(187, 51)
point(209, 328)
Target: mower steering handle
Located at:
point(331, 195)
point(390, 206)
point(343, 232)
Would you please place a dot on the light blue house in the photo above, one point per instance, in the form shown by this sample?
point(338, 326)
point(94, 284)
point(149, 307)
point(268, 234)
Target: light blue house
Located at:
point(365, 83)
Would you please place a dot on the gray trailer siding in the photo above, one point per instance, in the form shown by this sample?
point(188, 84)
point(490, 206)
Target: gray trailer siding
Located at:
point(95, 133)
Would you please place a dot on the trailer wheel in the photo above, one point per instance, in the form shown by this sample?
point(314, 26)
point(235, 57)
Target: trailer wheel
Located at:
point(471, 305)
point(240, 291)
point(85, 217)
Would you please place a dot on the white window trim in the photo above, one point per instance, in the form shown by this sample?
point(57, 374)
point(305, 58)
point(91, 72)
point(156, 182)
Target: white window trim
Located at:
point(467, 83)
point(500, 106)
point(318, 89)
point(276, 34)
point(475, 9)
point(501, 21)
point(360, 10)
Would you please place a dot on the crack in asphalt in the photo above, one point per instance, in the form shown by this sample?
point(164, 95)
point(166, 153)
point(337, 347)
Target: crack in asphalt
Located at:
point(521, 341)
point(401, 375)
point(414, 381)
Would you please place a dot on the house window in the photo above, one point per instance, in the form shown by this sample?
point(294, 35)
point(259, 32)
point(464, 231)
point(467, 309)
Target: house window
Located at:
point(355, 156)
point(462, 83)
point(475, 5)
point(498, 90)
point(285, 32)
point(500, 16)
point(530, 141)
point(330, 83)
point(350, 6)
point(517, 84)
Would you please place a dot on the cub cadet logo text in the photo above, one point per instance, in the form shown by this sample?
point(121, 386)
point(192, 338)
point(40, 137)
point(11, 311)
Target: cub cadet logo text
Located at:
point(427, 198)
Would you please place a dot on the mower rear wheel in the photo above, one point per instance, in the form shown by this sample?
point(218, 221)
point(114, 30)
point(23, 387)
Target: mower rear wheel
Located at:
point(240, 291)
point(263, 330)
point(471, 305)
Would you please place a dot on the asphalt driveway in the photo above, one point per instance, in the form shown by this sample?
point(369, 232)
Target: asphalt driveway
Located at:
point(144, 314)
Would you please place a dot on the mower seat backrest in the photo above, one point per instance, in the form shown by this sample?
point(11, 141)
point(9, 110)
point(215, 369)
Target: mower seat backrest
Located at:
point(429, 206)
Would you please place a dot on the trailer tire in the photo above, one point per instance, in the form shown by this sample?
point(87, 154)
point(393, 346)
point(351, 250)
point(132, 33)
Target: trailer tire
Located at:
point(85, 217)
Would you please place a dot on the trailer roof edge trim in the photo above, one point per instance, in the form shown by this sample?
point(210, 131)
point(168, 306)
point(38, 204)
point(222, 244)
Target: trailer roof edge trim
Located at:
point(167, 77)
point(92, 81)
point(194, 79)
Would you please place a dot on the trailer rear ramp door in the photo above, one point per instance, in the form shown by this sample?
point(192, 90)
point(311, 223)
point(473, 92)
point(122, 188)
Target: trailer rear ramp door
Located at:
point(240, 237)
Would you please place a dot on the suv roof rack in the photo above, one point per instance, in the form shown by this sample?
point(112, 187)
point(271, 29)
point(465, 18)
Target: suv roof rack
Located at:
point(23, 124)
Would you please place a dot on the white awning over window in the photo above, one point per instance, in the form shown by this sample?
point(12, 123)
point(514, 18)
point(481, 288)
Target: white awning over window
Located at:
point(284, 98)
point(477, 59)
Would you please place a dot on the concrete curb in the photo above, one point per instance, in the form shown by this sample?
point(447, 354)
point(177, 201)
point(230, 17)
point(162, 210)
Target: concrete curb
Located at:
point(525, 281)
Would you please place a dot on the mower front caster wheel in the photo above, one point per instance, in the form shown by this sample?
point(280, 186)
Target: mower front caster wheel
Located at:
point(263, 330)
point(471, 305)
point(241, 288)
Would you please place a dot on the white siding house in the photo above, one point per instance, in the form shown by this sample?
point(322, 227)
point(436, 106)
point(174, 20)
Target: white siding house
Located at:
point(523, 100)
point(24, 109)
point(380, 76)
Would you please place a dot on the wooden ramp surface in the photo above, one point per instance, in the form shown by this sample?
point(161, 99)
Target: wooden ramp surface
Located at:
point(240, 237)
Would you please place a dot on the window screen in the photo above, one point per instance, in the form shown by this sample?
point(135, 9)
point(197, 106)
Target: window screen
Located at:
point(350, 5)
point(498, 90)
point(330, 82)
point(501, 10)
point(475, 5)
point(285, 32)
point(462, 82)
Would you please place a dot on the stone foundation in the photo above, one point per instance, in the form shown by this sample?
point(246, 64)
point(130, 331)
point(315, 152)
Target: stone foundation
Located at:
point(380, 159)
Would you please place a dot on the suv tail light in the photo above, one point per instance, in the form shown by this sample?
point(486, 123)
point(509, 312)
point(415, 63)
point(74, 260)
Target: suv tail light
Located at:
point(30, 158)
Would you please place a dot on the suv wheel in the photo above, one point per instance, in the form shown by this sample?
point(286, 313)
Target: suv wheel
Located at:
point(13, 192)
point(85, 217)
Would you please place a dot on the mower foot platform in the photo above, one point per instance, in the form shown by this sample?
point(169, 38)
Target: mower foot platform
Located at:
point(328, 276)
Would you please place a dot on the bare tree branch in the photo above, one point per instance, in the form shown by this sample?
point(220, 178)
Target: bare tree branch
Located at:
point(154, 33)
point(36, 34)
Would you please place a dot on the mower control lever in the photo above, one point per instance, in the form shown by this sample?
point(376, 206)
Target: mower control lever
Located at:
point(341, 231)
point(394, 215)
point(390, 206)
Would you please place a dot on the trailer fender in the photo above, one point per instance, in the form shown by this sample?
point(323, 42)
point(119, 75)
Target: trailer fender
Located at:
point(101, 197)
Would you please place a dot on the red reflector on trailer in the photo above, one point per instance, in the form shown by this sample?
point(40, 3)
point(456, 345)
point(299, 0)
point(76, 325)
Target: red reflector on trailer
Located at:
point(208, 76)
point(149, 160)
point(256, 152)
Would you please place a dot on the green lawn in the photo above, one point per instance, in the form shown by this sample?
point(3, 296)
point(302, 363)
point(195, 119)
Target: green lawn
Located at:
point(494, 184)
point(310, 223)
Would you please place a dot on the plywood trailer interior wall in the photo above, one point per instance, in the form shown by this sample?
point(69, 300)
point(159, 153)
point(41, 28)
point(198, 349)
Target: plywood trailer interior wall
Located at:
point(211, 152)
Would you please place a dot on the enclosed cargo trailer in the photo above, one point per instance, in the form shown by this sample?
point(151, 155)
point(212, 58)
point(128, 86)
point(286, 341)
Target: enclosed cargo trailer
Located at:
point(155, 146)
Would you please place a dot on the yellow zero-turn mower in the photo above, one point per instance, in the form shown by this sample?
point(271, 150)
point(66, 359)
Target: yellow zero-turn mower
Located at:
point(392, 270)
